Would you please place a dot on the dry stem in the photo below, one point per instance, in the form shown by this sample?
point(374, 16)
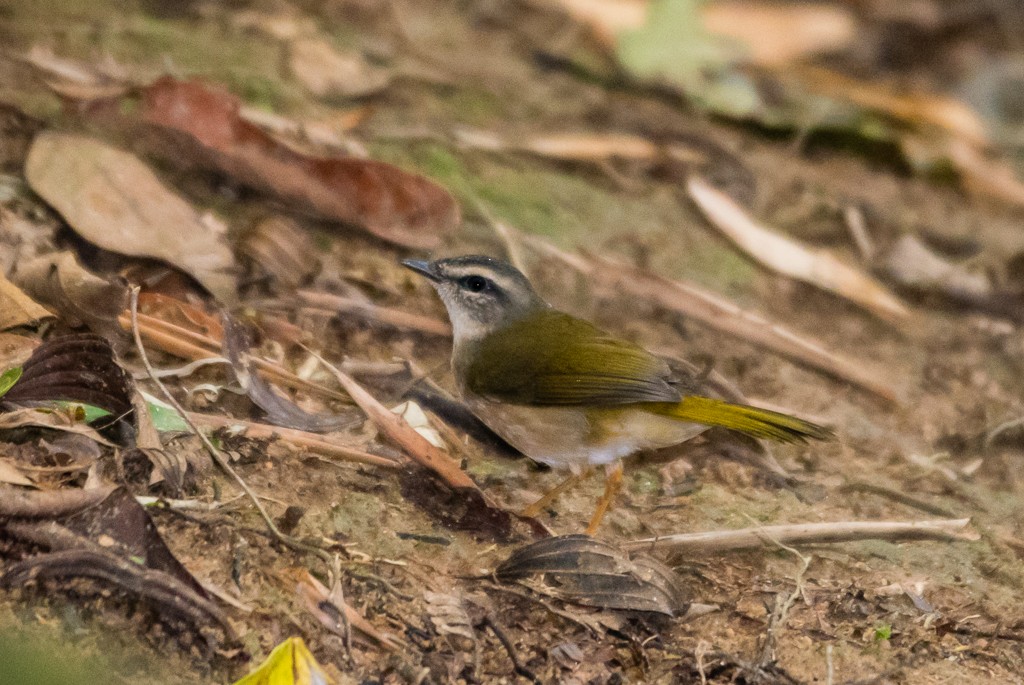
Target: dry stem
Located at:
point(949, 530)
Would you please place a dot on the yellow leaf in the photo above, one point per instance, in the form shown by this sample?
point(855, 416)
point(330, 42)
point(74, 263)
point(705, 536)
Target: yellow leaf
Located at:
point(291, 663)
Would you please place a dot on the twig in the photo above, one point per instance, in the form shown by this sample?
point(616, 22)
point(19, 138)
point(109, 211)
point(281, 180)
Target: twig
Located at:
point(15, 503)
point(897, 496)
point(215, 454)
point(829, 667)
point(806, 533)
point(782, 609)
point(404, 435)
point(517, 665)
point(853, 217)
point(790, 258)
point(292, 436)
point(395, 318)
point(188, 344)
point(319, 603)
point(337, 597)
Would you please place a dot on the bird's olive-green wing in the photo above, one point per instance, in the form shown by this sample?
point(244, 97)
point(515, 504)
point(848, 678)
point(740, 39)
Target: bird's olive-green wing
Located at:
point(551, 358)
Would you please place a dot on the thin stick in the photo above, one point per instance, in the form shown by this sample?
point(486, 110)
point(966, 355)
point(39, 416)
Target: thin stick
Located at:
point(400, 432)
point(806, 533)
point(897, 496)
point(517, 664)
point(309, 441)
point(15, 503)
point(169, 338)
point(782, 608)
point(215, 454)
point(853, 217)
point(395, 318)
point(793, 259)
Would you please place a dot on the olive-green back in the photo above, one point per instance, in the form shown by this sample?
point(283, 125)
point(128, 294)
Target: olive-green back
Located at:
point(552, 358)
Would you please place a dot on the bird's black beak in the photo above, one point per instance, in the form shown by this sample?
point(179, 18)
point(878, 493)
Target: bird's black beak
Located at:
point(422, 268)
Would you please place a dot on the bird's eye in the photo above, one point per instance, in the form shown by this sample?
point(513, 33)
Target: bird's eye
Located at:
point(473, 284)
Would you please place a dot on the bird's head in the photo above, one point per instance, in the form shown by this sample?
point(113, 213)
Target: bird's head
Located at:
point(482, 294)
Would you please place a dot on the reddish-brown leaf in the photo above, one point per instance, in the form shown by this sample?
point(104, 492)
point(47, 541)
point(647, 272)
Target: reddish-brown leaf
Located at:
point(392, 204)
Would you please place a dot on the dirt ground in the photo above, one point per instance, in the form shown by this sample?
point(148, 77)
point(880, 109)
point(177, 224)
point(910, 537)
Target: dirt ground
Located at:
point(865, 612)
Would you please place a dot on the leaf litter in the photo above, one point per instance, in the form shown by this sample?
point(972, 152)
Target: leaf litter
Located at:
point(377, 533)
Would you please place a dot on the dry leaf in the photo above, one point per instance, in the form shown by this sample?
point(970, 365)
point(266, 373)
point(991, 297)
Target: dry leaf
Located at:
point(15, 350)
point(291, 663)
point(115, 201)
point(327, 73)
point(790, 258)
point(773, 34)
point(281, 248)
point(204, 127)
point(448, 614)
point(17, 308)
point(75, 368)
point(50, 418)
point(10, 474)
point(79, 296)
point(581, 569)
point(280, 410)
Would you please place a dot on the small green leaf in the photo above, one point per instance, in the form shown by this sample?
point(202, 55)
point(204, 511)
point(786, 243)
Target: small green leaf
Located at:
point(8, 378)
point(166, 418)
point(883, 632)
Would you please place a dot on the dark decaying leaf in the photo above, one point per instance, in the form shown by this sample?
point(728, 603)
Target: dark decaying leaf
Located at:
point(59, 419)
point(280, 411)
point(581, 569)
point(199, 124)
point(122, 519)
point(76, 368)
point(106, 535)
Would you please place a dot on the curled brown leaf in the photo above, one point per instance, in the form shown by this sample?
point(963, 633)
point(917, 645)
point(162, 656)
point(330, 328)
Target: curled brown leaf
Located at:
point(395, 205)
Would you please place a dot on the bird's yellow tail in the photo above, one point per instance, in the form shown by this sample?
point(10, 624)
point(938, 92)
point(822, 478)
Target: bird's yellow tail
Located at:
point(758, 423)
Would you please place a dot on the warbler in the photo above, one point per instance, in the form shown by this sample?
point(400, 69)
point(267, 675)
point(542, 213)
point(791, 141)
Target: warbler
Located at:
point(567, 394)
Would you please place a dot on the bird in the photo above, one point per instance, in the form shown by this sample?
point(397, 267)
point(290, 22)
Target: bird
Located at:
point(566, 393)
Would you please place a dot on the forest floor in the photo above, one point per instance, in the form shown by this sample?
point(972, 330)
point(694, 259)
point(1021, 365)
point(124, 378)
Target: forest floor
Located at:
point(868, 611)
